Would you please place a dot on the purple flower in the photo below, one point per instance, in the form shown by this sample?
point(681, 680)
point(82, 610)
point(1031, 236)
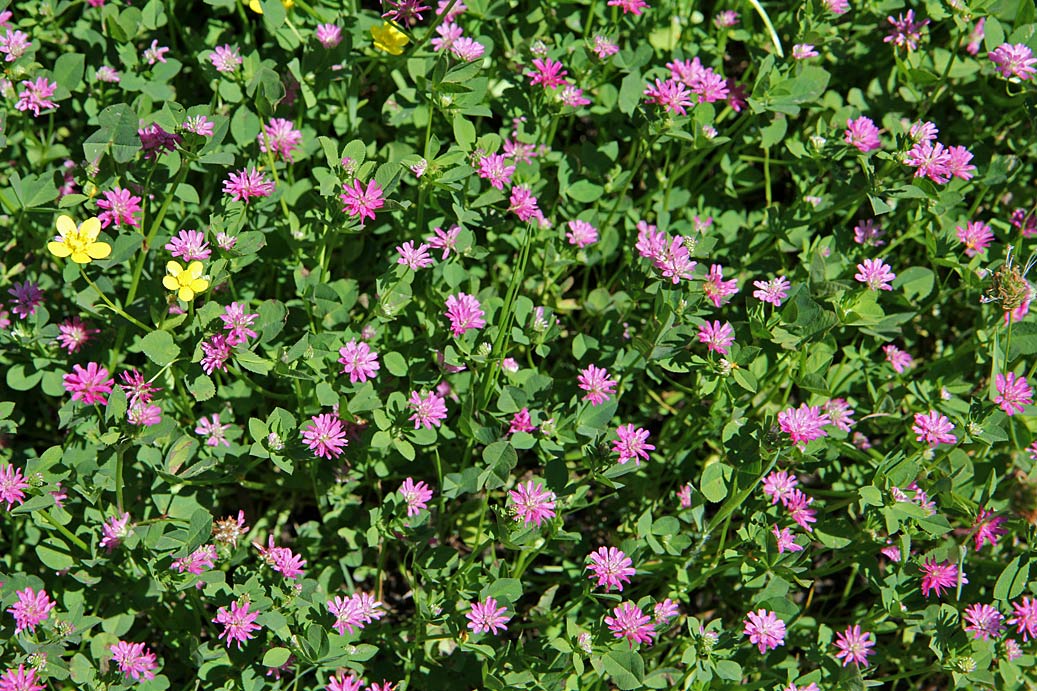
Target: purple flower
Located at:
point(12, 486)
point(930, 160)
point(73, 334)
point(14, 44)
point(467, 49)
point(487, 617)
point(875, 274)
point(531, 503)
point(280, 137)
point(933, 429)
point(631, 444)
point(1025, 618)
point(412, 257)
point(114, 531)
point(155, 53)
point(27, 297)
point(547, 73)
point(523, 203)
point(854, 645)
point(155, 141)
point(444, 240)
point(764, 629)
point(31, 609)
point(862, 134)
point(802, 51)
point(803, 424)
point(238, 323)
point(214, 432)
point(718, 290)
point(247, 184)
point(36, 95)
point(611, 567)
point(324, 436)
point(671, 94)
point(429, 411)
point(135, 660)
point(225, 58)
point(354, 612)
point(1013, 393)
point(983, 621)
point(215, 353)
point(190, 245)
point(976, 236)
point(88, 385)
point(1013, 60)
point(495, 168)
point(581, 233)
point(629, 622)
point(119, 206)
point(465, 313)
point(416, 495)
point(597, 383)
point(786, 541)
point(361, 202)
point(238, 623)
point(358, 361)
point(906, 31)
point(329, 35)
point(773, 291)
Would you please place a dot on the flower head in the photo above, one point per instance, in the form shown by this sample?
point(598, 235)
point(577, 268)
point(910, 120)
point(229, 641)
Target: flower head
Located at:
point(939, 576)
point(597, 383)
point(786, 540)
point(1014, 60)
point(803, 424)
point(487, 617)
point(1025, 617)
point(671, 94)
point(906, 31)
point(465, 313)
point(862, 134)
point(1013, 393)
point(778, 485)
point(325, 436)
point(359, 361)
point(354, 612)
point(581, 233)
point(280, 137)
point(412, 257)
point(987, 527)
point(983, 621)
point(773, 291)
point(35, 95)
point(631, 444)
point(12, 485)
point(416, 494)
point(629, 622)
point(718, 290)
point(634, 7)
point(32, 608)
point(186, 283)
point(854, 645)
point(611, 567)
point(213, 430)
point(79, 242)
point(429, 410)
point(531, 503)
point(20, 679)
point(329, 35)
point(114, 531)
point(407, 12)
point(237, 321)
point(976, 236)
point(73, 334)
point(247, 184)
point(88, 385)
point(933, 428)
point(27, 297)
point(764, 629)
point(875, 274)
point(358, 201)
point(389, 39)
point(225, 58)
point(189, 245)
point(238, 623)
point(119, 206)
point(548, 73)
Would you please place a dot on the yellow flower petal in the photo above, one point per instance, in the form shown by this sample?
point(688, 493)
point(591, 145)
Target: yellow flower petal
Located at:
point(80, 258)
point(170, 283)
point(66, 226)
point(186, 294)
point(58, 249)
point(199, 284)
point(174, 269)
point(90, 228)
point(99, 250)
point(256, 7)
point(388, 38)
point(195, 269)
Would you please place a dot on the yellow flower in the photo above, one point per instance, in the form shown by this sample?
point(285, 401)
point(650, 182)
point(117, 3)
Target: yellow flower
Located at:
point(79, 243)
point(257, 7)
point(388, 38)
point(187, 282)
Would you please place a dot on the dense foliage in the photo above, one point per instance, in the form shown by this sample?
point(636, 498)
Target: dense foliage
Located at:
point(567, 344)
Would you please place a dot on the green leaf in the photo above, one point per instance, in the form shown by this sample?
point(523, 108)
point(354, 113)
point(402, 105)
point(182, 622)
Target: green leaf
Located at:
point(714, 481)
point(917, 282)
point(68, 70)
point(182, 451)
point(464, 132)
point(253, 362)
point(202, 388)
point(630, 92)
point(626, 668)
point(774, 132)
point(500, 457)
point(55, 554)
point(584, 191)
point(159, 347)
point(1013, 579)
point(395, 364)
point(117, 136)
point(275, 657)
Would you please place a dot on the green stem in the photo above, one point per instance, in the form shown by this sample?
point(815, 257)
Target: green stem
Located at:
point(118, 480)
point(155, 225)
point(111, 305)
point(63, 530)
point(770, 27)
